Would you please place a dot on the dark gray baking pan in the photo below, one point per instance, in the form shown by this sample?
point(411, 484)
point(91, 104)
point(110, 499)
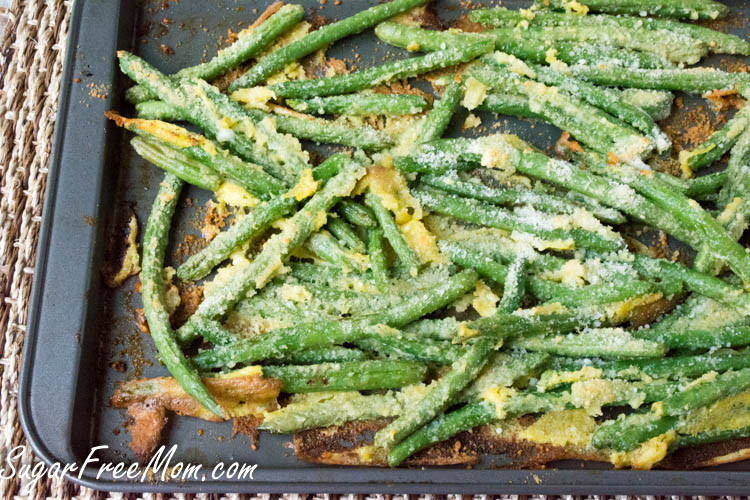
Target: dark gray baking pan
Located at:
point(82, 338)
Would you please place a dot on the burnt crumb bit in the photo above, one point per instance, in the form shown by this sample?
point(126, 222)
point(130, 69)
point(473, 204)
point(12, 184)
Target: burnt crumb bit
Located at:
point(167, 21)
point(167, 49)
point(141, 319)
point(119, 366)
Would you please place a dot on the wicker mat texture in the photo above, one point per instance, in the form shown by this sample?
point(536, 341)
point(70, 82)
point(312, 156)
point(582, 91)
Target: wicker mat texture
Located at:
point(32, 48)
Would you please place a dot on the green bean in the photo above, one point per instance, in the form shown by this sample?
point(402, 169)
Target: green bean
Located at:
point(154, 248)
point(345, 234)
point(311, 410)
point(176, 163)
point(717, 42)
point(508, 104)
point(249, 43)
point(706, 184)
point(606, 343)
point(323, 333)
point(220, 248)
point(160, 110)
point(675, 48)
point(378, 75)
point(320, 273)
point(673, 367)
point(326, 247)
point(534, 50)
point(514, 286)
point(657, 103)
point(704, 392)
point(295, 232)
point(250, 177)
point(437, 120)
point(403, 347)
point(347, 376)
point(701, 283)
point(451, 183)
point(446, 154)
point(331, 132)
point(733, 196)
point(214, 332)
point(627, 432)
point(304, 127)
point(617, 289)
point(406, 255)
point(737, 184)
point(356, 214)
point(330, 354)
point(681, 9)
point(436, 329)
point(462, 372)
point(588, 124)
point(320, 38)
point(690, 80)
point(361, 104)
point(378, 262)
point(710, 232)
point(715, 146)
point(475, 413)
point(487, 215)
point(608, 101)
point(708, 437)
point(211, 110)
point(442, 428)
point(728, 336)
point(503, 370)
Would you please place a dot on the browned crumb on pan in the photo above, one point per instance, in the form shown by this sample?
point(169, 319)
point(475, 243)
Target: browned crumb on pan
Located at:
point(191, 296)
point(166, 49)
point(248, 426)
point(141, 321)
point(688, 128)
point(214, 219)
point(145, 430)
point(189, 245)
point(666, 165)
point(463, 23)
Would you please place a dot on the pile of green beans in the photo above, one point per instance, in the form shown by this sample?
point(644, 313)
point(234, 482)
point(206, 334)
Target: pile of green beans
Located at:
point(450, 282)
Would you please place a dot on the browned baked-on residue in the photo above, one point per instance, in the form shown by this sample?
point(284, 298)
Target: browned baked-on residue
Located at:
point(189, 245)
point(689, 127)
point(166, 49)
point(248, 426)
point(463, 23)
point(191, 296)
point(145, 431)
point(214, 219)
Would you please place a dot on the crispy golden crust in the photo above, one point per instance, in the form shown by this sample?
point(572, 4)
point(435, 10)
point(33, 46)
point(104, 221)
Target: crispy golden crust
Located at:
point(145, 431)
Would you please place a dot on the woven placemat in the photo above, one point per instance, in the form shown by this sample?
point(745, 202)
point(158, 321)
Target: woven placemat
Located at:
point(32, 49)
